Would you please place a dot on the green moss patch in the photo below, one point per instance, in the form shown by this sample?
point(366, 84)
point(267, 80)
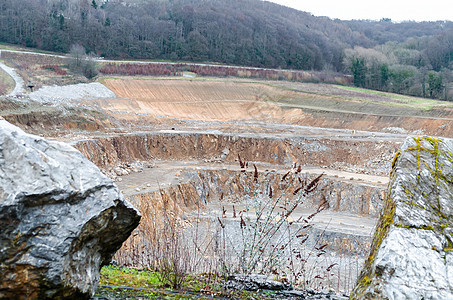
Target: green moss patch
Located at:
point(129, 283)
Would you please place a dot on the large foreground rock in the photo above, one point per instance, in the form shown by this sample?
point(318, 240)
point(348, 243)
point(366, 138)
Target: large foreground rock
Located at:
point(60, 219)
point(411, 255)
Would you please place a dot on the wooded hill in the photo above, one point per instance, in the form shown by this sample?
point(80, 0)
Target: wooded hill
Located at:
point(381, 55)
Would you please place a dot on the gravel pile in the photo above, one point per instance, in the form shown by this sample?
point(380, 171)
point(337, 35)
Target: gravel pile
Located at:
point(126, 169)
point(62, 94)
point(275, 289)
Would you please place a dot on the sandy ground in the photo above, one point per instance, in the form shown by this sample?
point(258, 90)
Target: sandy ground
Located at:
point(238, 100)
point(203, 100)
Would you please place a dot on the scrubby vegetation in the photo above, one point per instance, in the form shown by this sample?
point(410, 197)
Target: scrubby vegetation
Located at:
point(56, 68)
point(171, 69)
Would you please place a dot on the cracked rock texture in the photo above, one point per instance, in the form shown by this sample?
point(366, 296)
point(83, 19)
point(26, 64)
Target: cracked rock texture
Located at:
point(411, 256)
point(352, 156)
point(60, 219)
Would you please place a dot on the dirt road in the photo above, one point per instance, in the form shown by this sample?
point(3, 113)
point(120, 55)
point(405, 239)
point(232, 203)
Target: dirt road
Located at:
point(20, 85)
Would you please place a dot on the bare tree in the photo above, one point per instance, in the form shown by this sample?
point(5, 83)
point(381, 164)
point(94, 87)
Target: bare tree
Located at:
point(81, 63)
point(76, 56)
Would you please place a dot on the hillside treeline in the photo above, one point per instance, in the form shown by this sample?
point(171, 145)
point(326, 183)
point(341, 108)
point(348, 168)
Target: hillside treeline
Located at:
point(402, 57)
point(418, 67)
point(248, 32)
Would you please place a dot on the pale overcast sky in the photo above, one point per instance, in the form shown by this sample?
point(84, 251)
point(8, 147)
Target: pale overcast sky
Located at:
point(397, 10)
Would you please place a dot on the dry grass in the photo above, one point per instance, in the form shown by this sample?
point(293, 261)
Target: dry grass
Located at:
point(32, 67)
point(7, 83)
point(263, 237)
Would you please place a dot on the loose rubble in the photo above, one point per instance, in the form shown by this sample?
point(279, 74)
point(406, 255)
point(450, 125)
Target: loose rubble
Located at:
point(124, 169)
point(276, 289)
point(63, 94)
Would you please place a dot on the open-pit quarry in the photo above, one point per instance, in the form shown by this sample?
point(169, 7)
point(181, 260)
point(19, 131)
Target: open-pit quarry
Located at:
point(203, 149)
point(201, 170)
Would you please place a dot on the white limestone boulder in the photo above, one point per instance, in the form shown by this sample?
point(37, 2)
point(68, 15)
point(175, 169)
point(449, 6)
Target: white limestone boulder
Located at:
point(61, 219)
point(411, 255)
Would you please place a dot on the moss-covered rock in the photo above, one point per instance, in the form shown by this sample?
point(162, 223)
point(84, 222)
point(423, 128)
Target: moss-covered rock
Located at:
point(411, 255)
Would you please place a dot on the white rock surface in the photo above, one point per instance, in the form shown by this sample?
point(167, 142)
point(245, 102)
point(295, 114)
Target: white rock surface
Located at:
point(61, 219)
point(412, 252)
point(82, 91)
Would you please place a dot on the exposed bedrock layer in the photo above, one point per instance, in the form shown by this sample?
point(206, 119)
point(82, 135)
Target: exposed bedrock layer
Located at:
point(359, 155)
point(214, 190)
point(139, 249)
point(204, 186)
point(411, 255)
point(440, 125)
point(359, 198)
point(61, 219)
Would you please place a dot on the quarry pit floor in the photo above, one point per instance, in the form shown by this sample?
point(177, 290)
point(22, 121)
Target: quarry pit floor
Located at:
point(164, 174)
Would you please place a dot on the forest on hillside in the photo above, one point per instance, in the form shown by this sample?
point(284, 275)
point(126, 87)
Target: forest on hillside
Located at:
point(410, 58)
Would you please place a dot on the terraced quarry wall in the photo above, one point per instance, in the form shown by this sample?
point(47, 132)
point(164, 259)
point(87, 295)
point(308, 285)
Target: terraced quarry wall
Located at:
point(219, 193)
point(306, 104)
point(214, 180)
point(354, 197)
point(143, 104)
point(358, 155)
point(191, 134)
point(374, 122)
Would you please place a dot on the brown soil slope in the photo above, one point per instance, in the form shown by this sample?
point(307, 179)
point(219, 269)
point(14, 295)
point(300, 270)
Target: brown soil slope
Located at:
point(305, 104)
point(197, 100)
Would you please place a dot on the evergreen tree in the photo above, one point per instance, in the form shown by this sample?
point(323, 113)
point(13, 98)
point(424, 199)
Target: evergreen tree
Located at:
point(358, 69)
point(435, 86)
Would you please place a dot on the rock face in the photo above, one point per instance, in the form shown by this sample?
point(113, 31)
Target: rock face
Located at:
point(341, 195)
point(361, 155)
point(60, 219)
point(412, 252)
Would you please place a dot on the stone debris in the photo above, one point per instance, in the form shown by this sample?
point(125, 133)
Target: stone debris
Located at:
point(74, 92)
point(61, 219)
point(255, 282)
point(276, 289)
point(225, 153)
point(412, 251)
point(124, 169)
